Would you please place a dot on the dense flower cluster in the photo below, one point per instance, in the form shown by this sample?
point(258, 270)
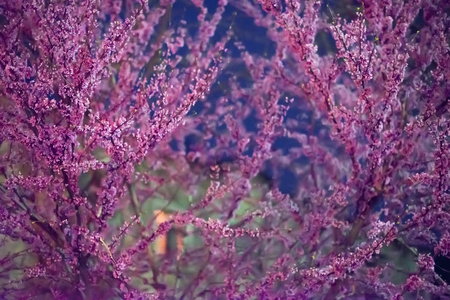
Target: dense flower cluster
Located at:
point(149, 151)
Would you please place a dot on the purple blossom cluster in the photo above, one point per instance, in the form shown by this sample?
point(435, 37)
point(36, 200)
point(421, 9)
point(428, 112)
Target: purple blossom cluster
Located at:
point(150, 155)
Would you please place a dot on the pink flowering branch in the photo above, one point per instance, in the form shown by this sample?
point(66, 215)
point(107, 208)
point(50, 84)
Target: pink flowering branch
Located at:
point(144, 156)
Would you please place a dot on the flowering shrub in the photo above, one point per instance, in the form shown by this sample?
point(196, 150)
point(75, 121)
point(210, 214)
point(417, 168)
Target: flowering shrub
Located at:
point(149, 154)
